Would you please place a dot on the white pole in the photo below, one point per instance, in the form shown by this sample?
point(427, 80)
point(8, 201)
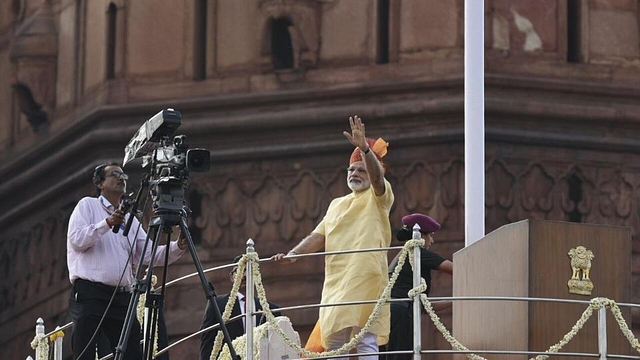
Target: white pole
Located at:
point(248, 301)
point(474, 120)
point(39, 331)
point(417, 277)
point(57, 346)
point(602, 333)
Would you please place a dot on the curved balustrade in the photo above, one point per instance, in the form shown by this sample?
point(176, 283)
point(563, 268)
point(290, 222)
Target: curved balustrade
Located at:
point(249, 265)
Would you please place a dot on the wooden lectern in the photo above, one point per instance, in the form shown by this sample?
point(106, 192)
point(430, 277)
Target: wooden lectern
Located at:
point(530, 259)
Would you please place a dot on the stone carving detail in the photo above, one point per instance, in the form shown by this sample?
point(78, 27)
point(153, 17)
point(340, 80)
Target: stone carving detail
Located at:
point(34, 262)
point(420, 180)
point(9, 266)
point(303, 212)
point(279, 208)
point(271, 208)
point(282, 209)
point(535, 195)
point(452, 194)
point(615, 196)
point(499, 182)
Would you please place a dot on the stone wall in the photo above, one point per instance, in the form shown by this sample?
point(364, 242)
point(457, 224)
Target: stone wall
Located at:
point(561, 135)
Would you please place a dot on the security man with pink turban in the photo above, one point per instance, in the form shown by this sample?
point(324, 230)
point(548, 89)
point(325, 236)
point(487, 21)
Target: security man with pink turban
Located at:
point(359, 220)
point(401, 337)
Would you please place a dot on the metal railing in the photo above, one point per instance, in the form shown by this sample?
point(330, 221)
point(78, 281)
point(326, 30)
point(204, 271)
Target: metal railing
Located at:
point(417, 338)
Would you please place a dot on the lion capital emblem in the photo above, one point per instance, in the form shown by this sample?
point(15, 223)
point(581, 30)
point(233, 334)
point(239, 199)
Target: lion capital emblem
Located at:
point(580, 283)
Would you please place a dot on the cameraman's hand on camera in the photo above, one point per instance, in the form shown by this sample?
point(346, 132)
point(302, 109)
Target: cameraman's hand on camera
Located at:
point(117, 218)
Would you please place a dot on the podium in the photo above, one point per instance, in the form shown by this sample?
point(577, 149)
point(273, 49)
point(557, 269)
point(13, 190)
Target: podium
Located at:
point(530, 259)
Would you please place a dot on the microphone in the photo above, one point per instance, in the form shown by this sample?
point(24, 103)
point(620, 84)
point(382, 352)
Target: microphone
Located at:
point(125, 205)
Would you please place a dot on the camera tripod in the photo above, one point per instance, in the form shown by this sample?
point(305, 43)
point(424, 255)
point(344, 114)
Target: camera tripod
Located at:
point(162, 223)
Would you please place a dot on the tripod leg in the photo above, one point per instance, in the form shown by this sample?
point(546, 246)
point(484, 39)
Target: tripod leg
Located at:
point(139, 288)
point(208, 289)
point(154, 304)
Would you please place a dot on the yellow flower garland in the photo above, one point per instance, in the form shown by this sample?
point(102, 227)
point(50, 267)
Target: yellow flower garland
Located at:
point(41, 341)
point(595, 304)
point(233, 295)
point(56, 335)
point(240, 343)
point(386, 294)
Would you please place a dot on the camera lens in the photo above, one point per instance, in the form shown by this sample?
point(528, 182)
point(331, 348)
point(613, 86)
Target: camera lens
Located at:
point(198, 160)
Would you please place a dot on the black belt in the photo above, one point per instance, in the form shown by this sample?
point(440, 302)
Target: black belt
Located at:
point(118, 289)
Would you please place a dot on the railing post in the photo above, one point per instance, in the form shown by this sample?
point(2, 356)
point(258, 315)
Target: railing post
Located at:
point(57, 346)
point(145, 313)
point(602, 332)
point(39, 331)
point(417, 333)
point(249, 302)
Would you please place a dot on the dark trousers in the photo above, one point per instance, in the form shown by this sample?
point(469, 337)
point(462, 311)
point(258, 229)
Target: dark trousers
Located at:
point(401, 336)
point(87, 304)
point(104, 347)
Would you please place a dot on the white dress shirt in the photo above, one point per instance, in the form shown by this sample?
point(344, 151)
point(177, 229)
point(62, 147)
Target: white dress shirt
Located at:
point(96, 253)
point(243, 310)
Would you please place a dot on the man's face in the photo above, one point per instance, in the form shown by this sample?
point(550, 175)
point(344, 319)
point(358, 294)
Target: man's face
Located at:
point(232, 276)
point(115, 181)
point(357, 177)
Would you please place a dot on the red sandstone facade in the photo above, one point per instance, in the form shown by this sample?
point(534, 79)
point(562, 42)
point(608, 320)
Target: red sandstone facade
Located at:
point(267, 86)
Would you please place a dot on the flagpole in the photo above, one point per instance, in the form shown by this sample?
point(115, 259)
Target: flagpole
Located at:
point(474, 182)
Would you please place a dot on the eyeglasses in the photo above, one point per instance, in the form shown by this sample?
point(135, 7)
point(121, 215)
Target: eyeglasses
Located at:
point(118, 175)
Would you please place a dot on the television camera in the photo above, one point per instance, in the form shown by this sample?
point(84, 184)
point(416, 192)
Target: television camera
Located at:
point(169, 159)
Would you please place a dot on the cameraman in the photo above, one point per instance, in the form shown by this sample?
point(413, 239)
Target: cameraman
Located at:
point(101, 265)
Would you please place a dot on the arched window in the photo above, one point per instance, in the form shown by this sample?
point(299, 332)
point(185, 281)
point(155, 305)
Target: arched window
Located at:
point(17, 9)
point(111, 41)
point(573, 31)
point(200, 40)
point(281, 46)
point(382, 56)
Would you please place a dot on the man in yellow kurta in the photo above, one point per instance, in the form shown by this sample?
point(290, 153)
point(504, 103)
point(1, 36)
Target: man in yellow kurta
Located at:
point(359, 220)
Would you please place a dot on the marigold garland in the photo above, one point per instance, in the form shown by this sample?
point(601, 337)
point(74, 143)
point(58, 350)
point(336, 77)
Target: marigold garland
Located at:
point(58, 334)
